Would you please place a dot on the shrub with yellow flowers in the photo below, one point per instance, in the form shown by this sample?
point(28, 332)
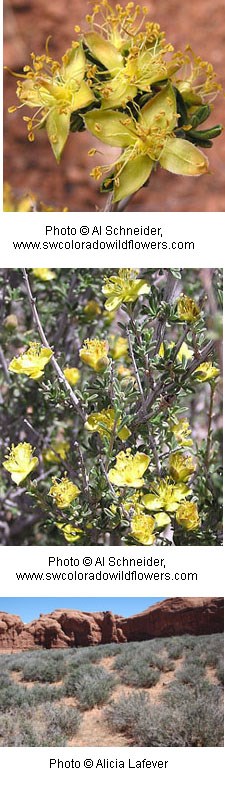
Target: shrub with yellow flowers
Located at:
point(122, 82)
point(111, 429)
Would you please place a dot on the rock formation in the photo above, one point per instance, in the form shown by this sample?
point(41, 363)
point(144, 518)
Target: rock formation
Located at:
point(65, 628)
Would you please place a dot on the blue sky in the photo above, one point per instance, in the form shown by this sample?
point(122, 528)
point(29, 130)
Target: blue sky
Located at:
point(31, 608)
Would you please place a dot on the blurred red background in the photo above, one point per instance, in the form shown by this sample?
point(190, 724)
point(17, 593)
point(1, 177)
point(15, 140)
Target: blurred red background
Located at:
point(31, 166)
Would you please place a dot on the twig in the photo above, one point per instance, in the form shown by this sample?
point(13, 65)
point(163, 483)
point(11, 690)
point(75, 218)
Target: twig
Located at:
point(136, 372)
point(58, 370)
point(207, 350)
point(209, 435)
point(137, 376)
point(112, 490)
point(62, 322)
point(4, 366)
point(83, 470)
point(178, 345)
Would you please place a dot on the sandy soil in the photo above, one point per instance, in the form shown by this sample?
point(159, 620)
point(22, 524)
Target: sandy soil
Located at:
point(32, 166)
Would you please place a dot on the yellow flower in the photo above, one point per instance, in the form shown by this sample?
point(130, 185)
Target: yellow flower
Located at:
point(187, 309)
point(123, 25)
point(70, 533)
point(134, 502)
point(161, 520)
point(206, 371)
point(25, 203)
point(61, 447)
point(124, 288)
point(92, 310)
point(187, 516)
point(165, 495)
point(72, 374)
point(198, 82)
point(45, 274)
point(128, 72)
point(142, 527)
point(145, 141)
point(54, 91)
point(181, 466)
point(181, 431)
point(184, 352)
point(129, 469)
point(95, 354)
point(32, 362)
point(109, 317)
point(104, 424)
point(11, 322)
point(64, 492)
point(20, 462)
point(124, 371)
point(14, 204)
point(118, 347)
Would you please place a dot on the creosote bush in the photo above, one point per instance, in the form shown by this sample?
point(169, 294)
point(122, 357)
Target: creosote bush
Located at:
point(111, 406)
point(121, 81)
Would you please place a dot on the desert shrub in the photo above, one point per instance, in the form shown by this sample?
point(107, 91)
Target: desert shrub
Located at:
point(45, 672)
point(196, 721)
point(191, 672)
point(140, 674)
point(124, 714)
point(21, 729)
point(120, 372)
point(4, 680)
point(18, 730)
point(91, 686)
point(12, 696)
point(220, 672)
point(174, 648)
point(60, 719)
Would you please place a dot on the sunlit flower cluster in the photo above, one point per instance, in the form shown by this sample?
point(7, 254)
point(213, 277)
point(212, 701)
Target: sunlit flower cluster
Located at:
point(20, 462)
point(64, 492)
point(94, 353)
point(107, 424)
point(32, 362)
point(121, 80)
point(129, 469)
point(124, 288)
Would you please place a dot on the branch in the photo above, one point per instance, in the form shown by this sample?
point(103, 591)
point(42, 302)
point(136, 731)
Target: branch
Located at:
point(160, 388)
point(58, 370)
point(209, 435)
point(4, 366)
point(172, 284)
point(137, 376)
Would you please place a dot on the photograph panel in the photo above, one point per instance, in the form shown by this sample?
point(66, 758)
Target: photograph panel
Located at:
point(113, 107)
point(111, 411)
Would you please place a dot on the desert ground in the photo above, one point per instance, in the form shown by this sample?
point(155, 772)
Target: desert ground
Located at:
point(162, 692)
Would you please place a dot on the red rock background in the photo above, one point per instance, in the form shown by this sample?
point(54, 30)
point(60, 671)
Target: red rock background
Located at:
point(32, 166)
point(66, 628)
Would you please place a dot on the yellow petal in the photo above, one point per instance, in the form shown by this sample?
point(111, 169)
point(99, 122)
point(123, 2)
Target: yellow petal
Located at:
point(183, 158)
point(82, 97)
point(133, 176)
point(124, 433)
point(108, 126)
point(105, 52)
point(163, 105)
point(75, 68)
point(152, 502)
point(57, 127)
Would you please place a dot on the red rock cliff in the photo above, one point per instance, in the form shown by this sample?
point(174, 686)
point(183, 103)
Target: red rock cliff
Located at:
point(65, 628)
